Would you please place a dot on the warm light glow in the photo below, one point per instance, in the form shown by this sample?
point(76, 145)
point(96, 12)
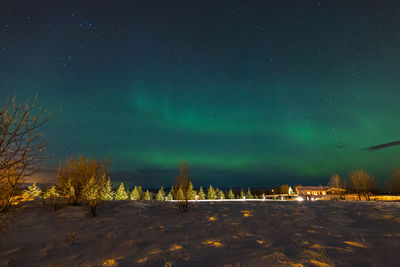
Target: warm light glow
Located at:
point(212, 243)
point(175, 247)
point(300, 199)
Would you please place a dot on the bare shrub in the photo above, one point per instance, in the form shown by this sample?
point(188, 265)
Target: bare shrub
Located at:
point(22, 148)
point(82, 180)
point(393, 184)
point(336, 182)
point(362, 183)
point(181, 187)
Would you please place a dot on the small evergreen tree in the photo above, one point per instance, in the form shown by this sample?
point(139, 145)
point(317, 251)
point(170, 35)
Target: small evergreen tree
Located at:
point(169, 197)
point(160, 194)
point(140, 190)
point(231, 195)
point(211, 193)
point(191, 194)
point(248, 194)
point(221, 194)
point(121, 193)
point(135, 195)
point(53, 195)
point(242, 196)
point(107, 193)
point(202, 196)
point(172, 191)
point(147, 195)
point(43, 193)
point(32, 191)
point(180, 195)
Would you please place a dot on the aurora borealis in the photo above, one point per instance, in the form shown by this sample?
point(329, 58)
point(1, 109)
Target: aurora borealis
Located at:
point(249, 93)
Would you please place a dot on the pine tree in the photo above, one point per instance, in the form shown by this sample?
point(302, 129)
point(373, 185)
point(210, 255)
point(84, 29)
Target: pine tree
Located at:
point(53, 195)
point(242, 196)
point(221, 194)
point(147, 195)
point(135, 195)
point(231, 195)
point(211, 193)
point(169, 197)
point(107, 193)
point(249, 195)
point(202, 196)
point(32, 191)
point(141, 195)
point(121, 193)
point(160, 194)
point(180, 195)
point(191, 194)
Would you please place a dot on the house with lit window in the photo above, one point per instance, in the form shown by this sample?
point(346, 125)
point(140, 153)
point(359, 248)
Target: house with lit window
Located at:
point(318, 192)
point(312, 191)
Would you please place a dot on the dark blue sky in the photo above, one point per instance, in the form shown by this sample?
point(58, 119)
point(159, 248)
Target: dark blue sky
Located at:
point(249, 93)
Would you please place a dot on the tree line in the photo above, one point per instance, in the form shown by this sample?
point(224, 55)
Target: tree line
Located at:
point(84, 180)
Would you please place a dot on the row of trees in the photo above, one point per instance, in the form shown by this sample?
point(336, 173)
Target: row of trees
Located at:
point(123, 193)
point(362, 183)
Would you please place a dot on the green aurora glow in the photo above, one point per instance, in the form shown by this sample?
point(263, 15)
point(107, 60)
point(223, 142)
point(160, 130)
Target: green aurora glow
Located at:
point(253, 94)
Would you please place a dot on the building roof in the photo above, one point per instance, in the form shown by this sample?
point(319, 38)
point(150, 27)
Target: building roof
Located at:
point(334, 188)
point(316, 188)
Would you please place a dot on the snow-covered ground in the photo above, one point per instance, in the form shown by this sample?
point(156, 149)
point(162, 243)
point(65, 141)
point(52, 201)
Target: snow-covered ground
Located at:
point(139, 233)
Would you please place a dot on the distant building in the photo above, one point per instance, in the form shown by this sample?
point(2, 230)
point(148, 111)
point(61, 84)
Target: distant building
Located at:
point(312, 191)
point(316, 192)
point(336, 191)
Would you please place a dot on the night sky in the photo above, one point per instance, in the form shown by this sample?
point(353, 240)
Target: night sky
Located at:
point(249, 93)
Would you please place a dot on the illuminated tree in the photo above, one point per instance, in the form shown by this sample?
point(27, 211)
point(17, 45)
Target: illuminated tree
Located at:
point(160, 194)
point(336, 182)
point(191, 194)
point(107, 193)
point(202, 196)
point(135, 194)
point(32, 191)
point(147, 195)
point(248, 194)
point(181, 187)
point(76, 176)
point(169, 196)
point(43, 193)
point(121, 193)
point(180, 195)
point(53, 195)
point(22, 147)
point(211, 193)
point(182, 182)
point(242, 196)
point(230, 195)
point(221, 194)
point(394, 183)
point(140, 191)
point(172, 192)
point(362, 183)
point(92, 192)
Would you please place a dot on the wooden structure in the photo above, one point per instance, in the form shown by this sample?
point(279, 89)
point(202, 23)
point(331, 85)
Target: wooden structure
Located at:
point(312, 191)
